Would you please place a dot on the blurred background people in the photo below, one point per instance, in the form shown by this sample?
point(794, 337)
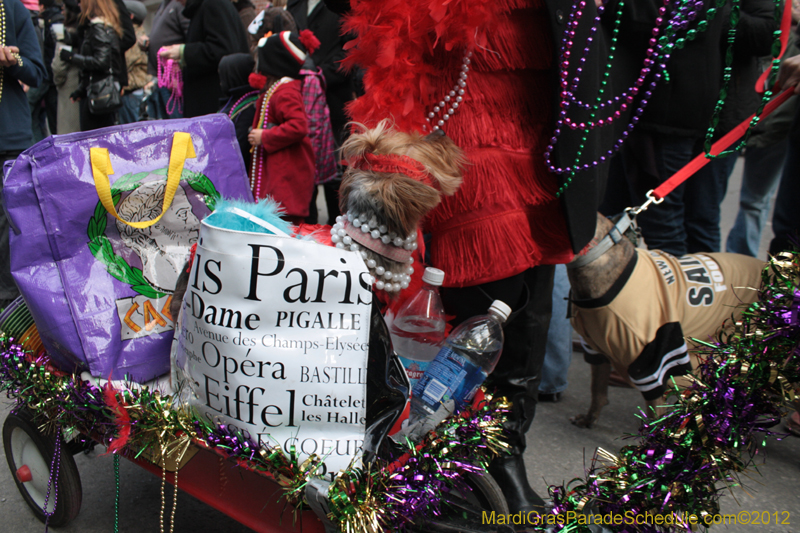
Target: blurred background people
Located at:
point(558, 353)
point(136, 65)
point(247, 12)
point(100, 54)
point(215, 30)
point(168, 27)
point(239, 100)
point(272, 19)
point(66, 76)
point(326, 25)
point(706, 190)
point(44, 98)
point(764, 156)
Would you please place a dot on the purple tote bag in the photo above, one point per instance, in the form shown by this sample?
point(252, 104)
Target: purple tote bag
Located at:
point(99, 289)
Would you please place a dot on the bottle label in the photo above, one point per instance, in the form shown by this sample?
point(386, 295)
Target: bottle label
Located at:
point(444, 382)
point(414, 369)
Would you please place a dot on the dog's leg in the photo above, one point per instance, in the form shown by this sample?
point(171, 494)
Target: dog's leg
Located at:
point(600, 377)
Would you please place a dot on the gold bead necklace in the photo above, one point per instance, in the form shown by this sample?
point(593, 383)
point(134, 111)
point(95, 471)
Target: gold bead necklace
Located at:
point(3, 43)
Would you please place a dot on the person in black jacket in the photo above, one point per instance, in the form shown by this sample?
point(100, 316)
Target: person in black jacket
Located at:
point(44, 99)
point(706, 190)
point(326, 26)
point(239, 100)
point(215, 30)
point(671, 130)
point(99, 55)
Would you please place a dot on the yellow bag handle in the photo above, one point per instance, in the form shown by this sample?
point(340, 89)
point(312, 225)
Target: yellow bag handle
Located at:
point(182, 148)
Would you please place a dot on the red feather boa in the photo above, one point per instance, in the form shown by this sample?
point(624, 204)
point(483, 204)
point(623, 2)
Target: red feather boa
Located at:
point(395, 42)
point(121, 418)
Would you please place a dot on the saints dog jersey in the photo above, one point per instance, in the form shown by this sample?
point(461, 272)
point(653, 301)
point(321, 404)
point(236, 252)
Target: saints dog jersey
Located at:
point(641, 324)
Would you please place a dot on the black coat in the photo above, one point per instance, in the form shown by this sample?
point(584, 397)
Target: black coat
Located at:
point(215, 30)
point(754, 38)
point(126, 40)
point(326, 26)
point(242, 122)
point(582, 197)
point(99, 54)
point(50, 16)
point(683, 102)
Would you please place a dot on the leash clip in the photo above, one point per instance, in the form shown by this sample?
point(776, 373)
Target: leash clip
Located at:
point(650, 200)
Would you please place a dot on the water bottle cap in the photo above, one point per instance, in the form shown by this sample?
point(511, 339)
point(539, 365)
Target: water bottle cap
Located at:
point(501, 309)
point(433, 276)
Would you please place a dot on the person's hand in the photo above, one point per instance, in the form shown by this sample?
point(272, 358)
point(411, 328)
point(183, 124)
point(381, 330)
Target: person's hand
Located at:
point(789, 74)
point(143, 41)
point(796, 10)
point(255, 136)
point(170, 52)
point(598, 3)
point(7, 56)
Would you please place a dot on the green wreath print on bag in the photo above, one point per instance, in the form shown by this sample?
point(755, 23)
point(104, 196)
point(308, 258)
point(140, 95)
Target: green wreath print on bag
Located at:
point(160, 248)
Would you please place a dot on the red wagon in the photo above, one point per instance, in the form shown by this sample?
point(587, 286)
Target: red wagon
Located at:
point(30, 454)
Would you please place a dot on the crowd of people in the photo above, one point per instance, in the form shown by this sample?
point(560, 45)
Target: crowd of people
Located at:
point(277, 74)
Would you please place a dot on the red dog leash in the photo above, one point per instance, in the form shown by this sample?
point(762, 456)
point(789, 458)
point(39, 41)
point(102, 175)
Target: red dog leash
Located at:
point(656, 196)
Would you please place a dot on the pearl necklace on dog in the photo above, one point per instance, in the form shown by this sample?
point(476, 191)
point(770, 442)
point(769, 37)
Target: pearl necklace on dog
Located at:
point(387, 255)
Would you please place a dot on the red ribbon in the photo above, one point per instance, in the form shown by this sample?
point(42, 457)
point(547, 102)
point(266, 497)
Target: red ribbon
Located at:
point(718, 147)
point(394, 164)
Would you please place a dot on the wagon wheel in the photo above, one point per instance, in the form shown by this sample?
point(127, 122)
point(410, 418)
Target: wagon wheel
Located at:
point(462, 512)
point(29, 454)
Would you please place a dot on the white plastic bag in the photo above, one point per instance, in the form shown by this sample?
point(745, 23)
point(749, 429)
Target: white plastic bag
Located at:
point(273, 341)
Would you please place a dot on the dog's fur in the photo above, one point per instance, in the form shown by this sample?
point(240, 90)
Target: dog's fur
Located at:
point(593, 281)
point(395, 200)
point(398, 201)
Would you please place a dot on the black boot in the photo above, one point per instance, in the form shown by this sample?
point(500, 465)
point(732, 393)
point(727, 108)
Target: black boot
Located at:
point(518, 373)
point(517, 377)
point(509, 472)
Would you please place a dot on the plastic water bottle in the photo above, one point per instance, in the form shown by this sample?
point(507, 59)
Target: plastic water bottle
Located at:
point(418, 329)
point(469, 354)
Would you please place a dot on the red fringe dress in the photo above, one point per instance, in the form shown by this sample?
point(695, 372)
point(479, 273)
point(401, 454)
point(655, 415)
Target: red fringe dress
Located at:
point(505, 217)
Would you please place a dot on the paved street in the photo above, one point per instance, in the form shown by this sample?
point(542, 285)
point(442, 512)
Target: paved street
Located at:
point(557, 453)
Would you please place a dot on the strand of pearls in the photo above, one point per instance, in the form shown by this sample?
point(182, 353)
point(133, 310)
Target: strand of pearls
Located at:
point(389, 275)
point(453, 99)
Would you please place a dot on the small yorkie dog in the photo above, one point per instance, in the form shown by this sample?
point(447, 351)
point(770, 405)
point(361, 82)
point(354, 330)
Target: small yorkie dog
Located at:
point(393, 179)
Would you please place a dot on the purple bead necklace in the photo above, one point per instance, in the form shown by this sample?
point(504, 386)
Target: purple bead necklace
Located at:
point(656, 57)
point(52, 483)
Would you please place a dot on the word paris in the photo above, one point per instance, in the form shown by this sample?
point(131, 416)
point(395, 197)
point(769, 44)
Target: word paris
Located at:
point(273, 341)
